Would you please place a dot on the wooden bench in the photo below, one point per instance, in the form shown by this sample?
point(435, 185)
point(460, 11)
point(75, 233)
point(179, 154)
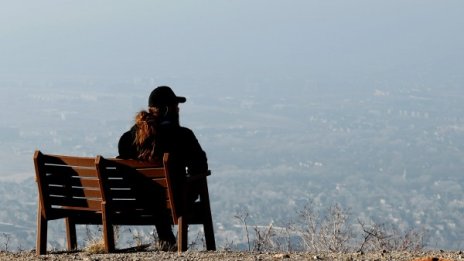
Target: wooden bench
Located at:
point(85, 190)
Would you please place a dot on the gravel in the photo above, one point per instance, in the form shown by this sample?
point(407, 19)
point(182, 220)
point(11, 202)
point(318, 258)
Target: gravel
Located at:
point(235, 256)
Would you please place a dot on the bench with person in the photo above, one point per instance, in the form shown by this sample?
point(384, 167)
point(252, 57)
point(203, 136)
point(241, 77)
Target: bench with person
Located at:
point(109, 191)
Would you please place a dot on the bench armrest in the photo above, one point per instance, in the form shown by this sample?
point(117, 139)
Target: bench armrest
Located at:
point(198, 176)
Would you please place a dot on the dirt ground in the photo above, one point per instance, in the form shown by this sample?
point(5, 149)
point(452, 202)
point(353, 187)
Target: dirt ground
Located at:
point(236, 256)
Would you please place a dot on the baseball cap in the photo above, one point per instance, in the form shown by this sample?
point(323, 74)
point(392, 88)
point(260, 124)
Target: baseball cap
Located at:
point(164, 95)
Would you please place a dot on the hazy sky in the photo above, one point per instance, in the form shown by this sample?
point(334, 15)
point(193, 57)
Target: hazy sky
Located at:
point(240, 38)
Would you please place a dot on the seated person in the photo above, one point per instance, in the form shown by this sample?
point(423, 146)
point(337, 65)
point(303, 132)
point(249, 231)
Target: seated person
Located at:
point(158, 131)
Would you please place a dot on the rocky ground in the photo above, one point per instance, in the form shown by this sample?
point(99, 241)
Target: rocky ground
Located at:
point(235, 256)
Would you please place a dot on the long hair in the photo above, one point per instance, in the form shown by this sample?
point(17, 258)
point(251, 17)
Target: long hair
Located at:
point(146, 125)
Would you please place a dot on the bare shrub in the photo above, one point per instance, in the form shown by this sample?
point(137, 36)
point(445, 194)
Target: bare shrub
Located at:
point(198, 242)
point(154, 236)
point(284, 239)
point(242, 216)
point(138, 237)
point(261, 238)
point(228, 246)
point(6, 238)
point(264, 238)
point(387, 237)
point(330, 232)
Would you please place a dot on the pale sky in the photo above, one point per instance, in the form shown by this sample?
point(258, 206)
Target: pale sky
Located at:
point(297, 38)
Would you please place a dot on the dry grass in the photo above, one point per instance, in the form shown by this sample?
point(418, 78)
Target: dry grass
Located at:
point(95, 247)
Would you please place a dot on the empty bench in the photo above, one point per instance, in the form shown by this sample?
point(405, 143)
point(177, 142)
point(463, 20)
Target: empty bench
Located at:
point(108, 192)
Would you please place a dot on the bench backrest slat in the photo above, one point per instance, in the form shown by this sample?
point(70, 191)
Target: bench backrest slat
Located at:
point(74, 192)
point(63, 179)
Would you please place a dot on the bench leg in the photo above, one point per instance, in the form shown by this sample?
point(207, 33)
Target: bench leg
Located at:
point(70, 234)
point(108, 233)
point(182, 234)
point(208, 221)
point(41, 244)
point(108, 238)
point(209, 235)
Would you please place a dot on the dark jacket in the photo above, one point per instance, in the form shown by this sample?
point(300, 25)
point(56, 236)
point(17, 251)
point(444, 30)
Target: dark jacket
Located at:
point(183, 147)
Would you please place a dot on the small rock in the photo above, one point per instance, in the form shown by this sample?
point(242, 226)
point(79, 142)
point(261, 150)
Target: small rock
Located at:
point(281, 256)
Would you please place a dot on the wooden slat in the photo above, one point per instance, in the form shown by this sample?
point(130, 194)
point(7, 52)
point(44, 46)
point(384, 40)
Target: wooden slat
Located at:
point(75, 202)
point(134, 184)
point(70, 171)
point(152, 173)
point(126, 205)
point(161, 182)
point(87, 193)
point(89, 183)
point(78, 214)
point(69, 160)
point(138, 192)
point(121, 193)
point(76, 209)
point(112, 173)
point(73, 182)
point(119, 184)
point(127, 173)
point(80, 192)
point(133, 164)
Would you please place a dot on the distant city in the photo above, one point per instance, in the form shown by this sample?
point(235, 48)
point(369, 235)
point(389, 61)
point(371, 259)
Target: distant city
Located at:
point(392, 153)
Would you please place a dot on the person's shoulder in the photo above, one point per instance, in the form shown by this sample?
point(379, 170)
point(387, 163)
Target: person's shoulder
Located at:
point(176, 131)
point(126, 145)
point(128, 134)
point(185, 130)
point(131, 130)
